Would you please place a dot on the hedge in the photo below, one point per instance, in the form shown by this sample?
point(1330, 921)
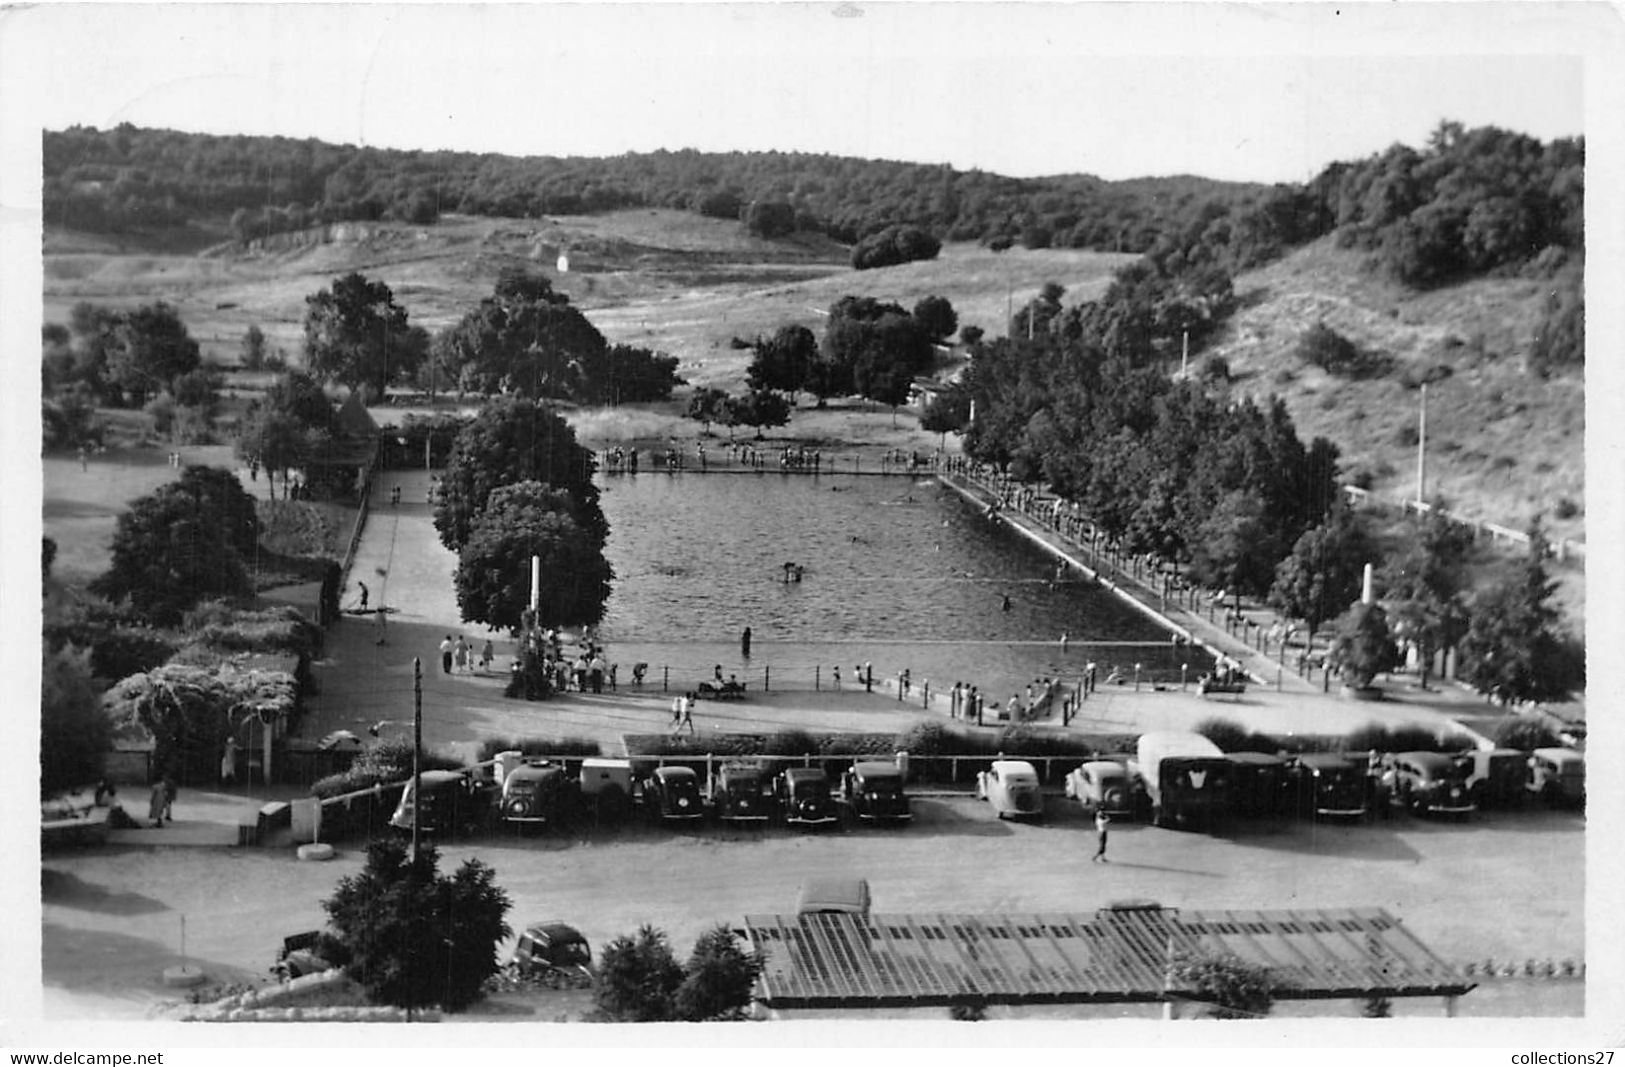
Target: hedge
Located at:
point(539, 746)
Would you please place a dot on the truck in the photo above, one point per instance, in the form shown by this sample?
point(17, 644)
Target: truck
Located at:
point(1185, 778)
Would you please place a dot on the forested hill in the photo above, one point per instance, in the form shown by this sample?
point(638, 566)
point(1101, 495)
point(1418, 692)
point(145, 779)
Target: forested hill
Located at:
point(130, 178)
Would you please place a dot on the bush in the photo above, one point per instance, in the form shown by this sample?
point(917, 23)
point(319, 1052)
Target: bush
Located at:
point(1229, 735)
point(1524, 733)
point(1412, 738)
point(220, 625)
point(539, 746)
point(790, 743)
point(1372, 737)
point(935, 739)
point(1329, 350)
point(382, 764)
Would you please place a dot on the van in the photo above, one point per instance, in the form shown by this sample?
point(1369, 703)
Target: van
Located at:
point(834, 896)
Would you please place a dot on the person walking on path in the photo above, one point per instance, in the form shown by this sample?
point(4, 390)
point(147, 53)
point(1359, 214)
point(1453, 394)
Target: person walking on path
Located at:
point(744, 643)
point(835, 672)
point(487, 654)
point(446, 649)
point(364, 593)
point(688, 713)
point(459, 654)
point(170, 792)
point(155, 804)
point(1103, 824)
point(677, 713)
point(228, 762)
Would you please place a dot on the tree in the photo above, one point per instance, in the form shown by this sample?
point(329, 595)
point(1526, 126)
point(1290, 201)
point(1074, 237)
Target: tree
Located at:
point(1325, 571)
point(293, 422)
point(514, 440)
point(946, 412)
point(783, 361)
point(219, 493)
point(1233, 989)
point(75, 732)
point(148, 348)
point(894, 245)
point(1364, 646)
point(493, 578)
point(253, 356)
point(758, 408)
point(416, 938)
point(356, 335)
point(936, 317)
point(169, 552)
point(1423, 587)
point(527, 339)
point(719, 979)
point(770, 218)
point(1512, 650)
point(1236, 547)
point(637, 979)
point(707, 405)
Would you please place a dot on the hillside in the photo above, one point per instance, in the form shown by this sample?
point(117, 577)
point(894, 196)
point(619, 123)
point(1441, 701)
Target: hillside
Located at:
point(1503, 444)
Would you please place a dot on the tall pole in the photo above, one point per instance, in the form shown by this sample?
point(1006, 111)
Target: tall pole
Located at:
point(417, 752)
point(1421, 449)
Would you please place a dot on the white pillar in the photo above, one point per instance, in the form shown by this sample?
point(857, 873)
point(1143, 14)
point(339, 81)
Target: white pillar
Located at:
point(535, 583)
point(1422, 447)
point(1365, 589)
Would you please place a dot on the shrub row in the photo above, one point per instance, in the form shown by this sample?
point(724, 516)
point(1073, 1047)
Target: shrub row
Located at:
point(388, 761)
point(539, 746)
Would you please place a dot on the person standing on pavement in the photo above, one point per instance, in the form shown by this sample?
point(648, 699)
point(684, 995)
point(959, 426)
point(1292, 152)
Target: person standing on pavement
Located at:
point(744, 643)
point(155, 804)
point(364, 593)
point(1103, 824)
point(171, 791)
point(459, 653)
point(446, 649)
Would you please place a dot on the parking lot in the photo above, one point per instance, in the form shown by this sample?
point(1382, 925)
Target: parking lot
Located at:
point(1497, 886)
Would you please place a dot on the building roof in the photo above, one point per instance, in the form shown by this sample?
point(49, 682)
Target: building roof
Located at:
point(1114, 955)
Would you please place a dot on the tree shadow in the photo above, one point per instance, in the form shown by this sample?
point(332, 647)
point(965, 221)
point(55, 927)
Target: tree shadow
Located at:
point(67, 890)
point(1167, 870)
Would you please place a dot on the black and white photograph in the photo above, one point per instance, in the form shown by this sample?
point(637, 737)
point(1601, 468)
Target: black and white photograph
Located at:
point(960, 525)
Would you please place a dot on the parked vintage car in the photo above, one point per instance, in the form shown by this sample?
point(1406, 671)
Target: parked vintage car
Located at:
point(1011, 786)
point(672, 794)
point(1259, 785)
point(1330, 785)
point(1498, 777)
point(606, 786)
point(874, 791)
point(305, 953)
point(1102, 785)
point(1557, 776)
point(1186, 778)
point(742, 792)
point(536, 793)
point(454, 802)
point(834, 896)
point(1432, 782)
point(803, 795)
point(552, 947)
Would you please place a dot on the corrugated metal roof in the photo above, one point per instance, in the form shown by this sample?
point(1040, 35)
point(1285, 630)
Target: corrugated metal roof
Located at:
point(1113, 955)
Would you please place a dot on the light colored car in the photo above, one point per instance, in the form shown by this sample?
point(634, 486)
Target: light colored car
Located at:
point(1011, 786)
point(1558, 775)
point(1102, 785)
point(837, 896)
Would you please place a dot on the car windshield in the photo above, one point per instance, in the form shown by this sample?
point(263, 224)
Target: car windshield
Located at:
point(813, 787)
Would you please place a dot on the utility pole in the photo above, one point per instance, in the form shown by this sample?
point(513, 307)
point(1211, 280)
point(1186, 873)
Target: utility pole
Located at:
point(1421, 450)
point(417, 752)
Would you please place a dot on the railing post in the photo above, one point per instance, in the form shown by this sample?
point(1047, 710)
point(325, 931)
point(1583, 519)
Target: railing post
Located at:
point(665, 678)
point(817, 675)
point(767, 678)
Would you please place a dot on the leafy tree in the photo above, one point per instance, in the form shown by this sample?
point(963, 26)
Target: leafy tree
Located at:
point(1364, 647)
point(1560, 338)
point(493, 578)
point(199, 389)
point(719, 979)
point(75, 732)
point(894, 245)
point(514, 440)
point(770, 218)
point(720, 204)
point(416, 938)
point(876, 347)
point(356, 335)
point(627, 374)
point(759, 408)
point(1236, 547)
point(169, 551)
point(1325, 571)
point(292, 423)
point(253, 348)
point(936, 317)
point(1512, 650)
point(527, 339)
point(638, 978)
point(971, 336)
point(1234, 989)
point(783, 361)
point(947, 412)
point(219, 493)
point(148, 348)
point(708, 405)
point(68, 418)
point(1425, 584)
